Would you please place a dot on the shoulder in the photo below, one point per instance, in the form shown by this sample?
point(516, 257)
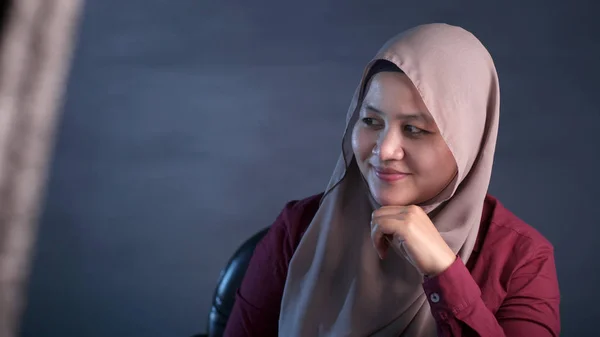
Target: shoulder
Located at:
point(504, 220)
point(282, 237)
point(296, 216)
point(275, 249)
point(509, 235)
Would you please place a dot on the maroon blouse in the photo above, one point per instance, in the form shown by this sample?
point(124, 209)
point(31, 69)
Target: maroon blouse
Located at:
point(508, 287)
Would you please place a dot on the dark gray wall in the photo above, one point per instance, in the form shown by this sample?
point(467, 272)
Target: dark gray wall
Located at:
point(188, 124)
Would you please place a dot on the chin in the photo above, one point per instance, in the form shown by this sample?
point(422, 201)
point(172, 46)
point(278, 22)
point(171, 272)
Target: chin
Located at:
point(402, 194)
point(385, 199)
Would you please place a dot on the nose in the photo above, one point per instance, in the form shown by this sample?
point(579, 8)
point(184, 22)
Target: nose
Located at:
point(389, 146)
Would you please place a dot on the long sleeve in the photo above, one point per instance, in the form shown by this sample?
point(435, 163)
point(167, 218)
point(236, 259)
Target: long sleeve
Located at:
point(530, 308)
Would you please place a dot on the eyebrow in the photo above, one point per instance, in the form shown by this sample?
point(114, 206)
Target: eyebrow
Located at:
point(413, 116)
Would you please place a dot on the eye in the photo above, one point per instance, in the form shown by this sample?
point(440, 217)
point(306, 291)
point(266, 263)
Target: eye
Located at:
point(413, 130)
point(368, 121)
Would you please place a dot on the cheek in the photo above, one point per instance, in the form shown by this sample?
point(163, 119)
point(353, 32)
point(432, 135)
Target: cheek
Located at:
point(439, 163)
point(449, 164)
point(362, 143)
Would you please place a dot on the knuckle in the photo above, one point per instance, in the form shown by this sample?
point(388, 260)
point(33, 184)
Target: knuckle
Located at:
point(413, 209)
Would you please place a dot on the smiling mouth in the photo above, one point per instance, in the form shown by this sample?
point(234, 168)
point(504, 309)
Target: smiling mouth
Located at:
point(389, 175)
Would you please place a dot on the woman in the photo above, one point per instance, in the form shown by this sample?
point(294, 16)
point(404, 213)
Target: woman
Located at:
point(405, 240)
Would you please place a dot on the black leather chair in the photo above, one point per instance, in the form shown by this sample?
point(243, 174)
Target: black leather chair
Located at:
point(229, 281)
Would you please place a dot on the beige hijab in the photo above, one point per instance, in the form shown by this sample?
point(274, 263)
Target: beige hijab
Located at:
point(336, 284)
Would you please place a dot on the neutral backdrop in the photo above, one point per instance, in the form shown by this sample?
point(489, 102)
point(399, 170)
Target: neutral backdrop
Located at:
point(189, 124)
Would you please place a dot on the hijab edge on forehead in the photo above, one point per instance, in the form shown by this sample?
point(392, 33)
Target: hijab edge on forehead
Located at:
point(335, 251)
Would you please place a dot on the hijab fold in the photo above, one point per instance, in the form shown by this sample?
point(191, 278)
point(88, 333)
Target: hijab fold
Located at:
point(336, 284)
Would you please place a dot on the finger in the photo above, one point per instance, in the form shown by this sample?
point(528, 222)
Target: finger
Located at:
point(398, 209)
point(384, 231)
point(389, 210)
point(381, 245)
point(389, 222)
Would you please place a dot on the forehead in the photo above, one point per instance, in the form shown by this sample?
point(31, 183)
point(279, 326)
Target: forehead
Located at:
point(392, 93)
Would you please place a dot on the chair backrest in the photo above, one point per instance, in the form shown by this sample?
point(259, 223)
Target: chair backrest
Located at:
point(229, 281)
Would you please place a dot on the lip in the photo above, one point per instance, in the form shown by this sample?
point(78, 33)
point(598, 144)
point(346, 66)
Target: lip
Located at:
point(389, 175)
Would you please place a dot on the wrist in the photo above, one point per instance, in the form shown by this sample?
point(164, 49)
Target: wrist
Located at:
point(442, 266)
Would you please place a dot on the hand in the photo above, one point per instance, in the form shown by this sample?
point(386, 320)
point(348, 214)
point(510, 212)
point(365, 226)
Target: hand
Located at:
point(411, 225)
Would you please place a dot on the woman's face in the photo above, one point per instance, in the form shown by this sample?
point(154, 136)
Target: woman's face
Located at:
point(397, 145)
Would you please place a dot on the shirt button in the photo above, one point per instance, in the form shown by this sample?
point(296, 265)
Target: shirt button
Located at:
point(434, 297)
